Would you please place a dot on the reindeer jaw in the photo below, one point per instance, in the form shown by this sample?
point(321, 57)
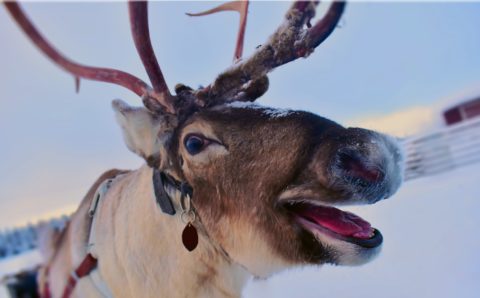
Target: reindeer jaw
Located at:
point(352, 238)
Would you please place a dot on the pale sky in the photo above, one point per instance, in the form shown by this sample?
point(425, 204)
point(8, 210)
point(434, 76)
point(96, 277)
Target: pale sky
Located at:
point(386, 59)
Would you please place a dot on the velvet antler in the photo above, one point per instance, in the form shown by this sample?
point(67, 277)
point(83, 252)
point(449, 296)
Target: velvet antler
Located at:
point(158, 94)
point(242, 8)
point(246, 80)
point(293, 39)
point(138, 11)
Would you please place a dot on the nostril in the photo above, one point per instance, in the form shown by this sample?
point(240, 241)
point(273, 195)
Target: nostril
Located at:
point(355, 166)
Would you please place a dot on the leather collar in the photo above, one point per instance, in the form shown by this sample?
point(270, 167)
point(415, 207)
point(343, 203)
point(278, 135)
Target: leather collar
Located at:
point(160, 181)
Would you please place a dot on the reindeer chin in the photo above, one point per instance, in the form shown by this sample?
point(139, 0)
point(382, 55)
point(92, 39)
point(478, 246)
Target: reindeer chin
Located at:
point(347, 253)
point(335, 236)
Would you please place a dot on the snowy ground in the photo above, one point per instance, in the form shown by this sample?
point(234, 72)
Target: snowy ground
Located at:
point(431, 248)
point(11, 265)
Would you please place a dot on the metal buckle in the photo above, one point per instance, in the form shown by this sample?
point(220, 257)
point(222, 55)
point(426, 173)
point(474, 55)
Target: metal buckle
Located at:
point(74, 275)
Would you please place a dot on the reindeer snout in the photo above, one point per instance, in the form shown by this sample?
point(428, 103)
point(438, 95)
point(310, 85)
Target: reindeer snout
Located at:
point(368, 165)
point(359, 168)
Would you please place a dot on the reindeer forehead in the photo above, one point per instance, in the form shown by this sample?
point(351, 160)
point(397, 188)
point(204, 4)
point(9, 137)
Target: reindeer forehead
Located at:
point(197, 125)
point(238, 119)
point(269, 112)
point(253, 119)
point(241, 113)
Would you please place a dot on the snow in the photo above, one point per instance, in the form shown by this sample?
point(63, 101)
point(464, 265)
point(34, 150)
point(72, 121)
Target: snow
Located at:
point(19, 262)
point(11, 265)
point(431, 248)
point(269, 111)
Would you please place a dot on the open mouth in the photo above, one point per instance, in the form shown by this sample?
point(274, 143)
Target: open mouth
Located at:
point(335, 223)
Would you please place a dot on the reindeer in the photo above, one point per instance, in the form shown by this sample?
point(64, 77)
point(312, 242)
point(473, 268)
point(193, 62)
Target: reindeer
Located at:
point(229, 189)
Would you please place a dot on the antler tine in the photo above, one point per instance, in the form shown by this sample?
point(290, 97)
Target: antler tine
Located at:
point(241, 6)
point(241, 30)
point(78, 70)
point(138, 12)
point(323, 28)
point(290, 41)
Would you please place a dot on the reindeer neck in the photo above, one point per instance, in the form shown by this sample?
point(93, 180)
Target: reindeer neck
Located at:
point(141, 253)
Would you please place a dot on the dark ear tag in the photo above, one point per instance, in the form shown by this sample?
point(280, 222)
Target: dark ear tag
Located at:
point(163, 199)
point(189, 234)
point(190, 237)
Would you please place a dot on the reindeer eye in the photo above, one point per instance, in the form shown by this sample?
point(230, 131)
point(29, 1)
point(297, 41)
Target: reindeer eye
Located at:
point(195, 144)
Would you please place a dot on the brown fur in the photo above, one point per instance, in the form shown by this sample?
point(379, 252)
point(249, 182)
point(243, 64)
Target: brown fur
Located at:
point(248, 165)
point(253, 162)
point(243, 186)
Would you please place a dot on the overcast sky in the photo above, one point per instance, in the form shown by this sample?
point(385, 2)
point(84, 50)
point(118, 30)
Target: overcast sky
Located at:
point(385, 59)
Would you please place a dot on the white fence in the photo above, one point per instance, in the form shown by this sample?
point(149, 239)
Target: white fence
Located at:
point(448, 148)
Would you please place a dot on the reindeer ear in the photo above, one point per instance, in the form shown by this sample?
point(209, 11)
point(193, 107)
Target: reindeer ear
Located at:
point(142, 131)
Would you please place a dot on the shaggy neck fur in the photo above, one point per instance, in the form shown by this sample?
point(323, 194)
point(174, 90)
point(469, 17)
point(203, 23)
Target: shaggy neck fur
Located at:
point(141, 253)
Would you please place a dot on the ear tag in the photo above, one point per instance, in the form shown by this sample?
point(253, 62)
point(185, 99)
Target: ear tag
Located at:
point(190, 237)
point(189, 234)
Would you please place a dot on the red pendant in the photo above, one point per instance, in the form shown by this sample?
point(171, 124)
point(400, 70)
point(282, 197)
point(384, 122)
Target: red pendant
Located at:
point(190, 237)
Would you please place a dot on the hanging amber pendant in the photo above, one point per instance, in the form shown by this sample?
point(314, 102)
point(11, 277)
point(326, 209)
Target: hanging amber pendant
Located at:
point(190, 237)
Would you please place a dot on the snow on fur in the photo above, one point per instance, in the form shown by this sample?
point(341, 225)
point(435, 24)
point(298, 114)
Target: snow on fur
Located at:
point(269, 111)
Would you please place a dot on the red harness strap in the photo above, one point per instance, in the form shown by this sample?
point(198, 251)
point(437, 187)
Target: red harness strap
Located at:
point(88, 265)
point(46, 287)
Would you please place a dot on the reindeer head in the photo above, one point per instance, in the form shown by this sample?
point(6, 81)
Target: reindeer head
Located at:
point(264, 180)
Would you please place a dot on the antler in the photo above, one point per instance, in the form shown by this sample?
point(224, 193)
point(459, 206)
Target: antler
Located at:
point(141, 36)
point(159, 94)
point(247, 79)
point(242, 8)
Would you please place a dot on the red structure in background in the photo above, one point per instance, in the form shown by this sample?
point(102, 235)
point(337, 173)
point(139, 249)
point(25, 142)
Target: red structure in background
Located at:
point(463, 111)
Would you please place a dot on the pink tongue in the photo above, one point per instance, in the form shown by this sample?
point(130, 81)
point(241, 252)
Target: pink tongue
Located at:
point(340, 222)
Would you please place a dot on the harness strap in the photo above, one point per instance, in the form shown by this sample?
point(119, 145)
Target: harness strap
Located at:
point(46, 286)
point(95, 277)
point(46, 293)
point(88, 264)
point(90, 261)
point(160, 181)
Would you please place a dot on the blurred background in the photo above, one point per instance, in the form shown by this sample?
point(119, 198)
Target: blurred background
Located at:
point(408, 69)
